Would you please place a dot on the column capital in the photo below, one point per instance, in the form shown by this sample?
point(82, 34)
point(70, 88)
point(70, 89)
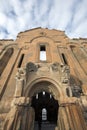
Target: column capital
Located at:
point(21, 101)
point(83, 100)
point(21, 74)
point(68, 101)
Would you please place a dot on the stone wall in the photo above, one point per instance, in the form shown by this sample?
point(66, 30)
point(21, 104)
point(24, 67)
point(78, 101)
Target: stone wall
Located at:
point(64, 67)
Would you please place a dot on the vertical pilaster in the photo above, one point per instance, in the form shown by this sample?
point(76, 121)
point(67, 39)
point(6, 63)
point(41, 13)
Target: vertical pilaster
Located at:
point(70, 117)
point(20, 82)
point(21, 115)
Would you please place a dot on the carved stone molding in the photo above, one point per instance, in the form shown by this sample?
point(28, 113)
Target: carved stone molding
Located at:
point(21, 101)
point(68, 101)
point(84, 101)
point(43, 34)
point(55, 66)
point(21, 74)
point(31, 67)
point(20, 82)
point(64, 72)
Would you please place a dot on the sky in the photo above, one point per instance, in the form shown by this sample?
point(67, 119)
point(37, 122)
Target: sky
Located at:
point(20, 15)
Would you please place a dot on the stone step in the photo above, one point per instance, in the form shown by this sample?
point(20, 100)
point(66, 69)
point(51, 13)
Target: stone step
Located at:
point(45, 126)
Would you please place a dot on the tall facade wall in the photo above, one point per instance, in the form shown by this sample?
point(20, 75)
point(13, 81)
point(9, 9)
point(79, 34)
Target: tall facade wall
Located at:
point(60, 51)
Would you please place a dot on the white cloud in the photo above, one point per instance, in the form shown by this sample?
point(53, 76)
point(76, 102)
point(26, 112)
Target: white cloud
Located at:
point(19, 15)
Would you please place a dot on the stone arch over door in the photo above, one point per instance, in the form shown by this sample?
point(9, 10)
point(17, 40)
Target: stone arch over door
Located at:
point(50, 87)
point(44, 84)
point(66, 109)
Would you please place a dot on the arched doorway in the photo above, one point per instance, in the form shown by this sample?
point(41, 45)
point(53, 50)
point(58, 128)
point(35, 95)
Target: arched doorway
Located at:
point(46, 110)
point(50, 113)
point(44, 95)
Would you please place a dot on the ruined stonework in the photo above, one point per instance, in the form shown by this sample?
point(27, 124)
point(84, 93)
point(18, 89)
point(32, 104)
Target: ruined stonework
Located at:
point(43, 81)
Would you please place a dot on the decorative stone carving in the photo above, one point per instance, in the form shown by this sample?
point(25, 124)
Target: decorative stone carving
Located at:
point(76, 90)
point(20, 81)
point(21, 101)
point(42, 69)
point(31, 67)
point(26, 47)
point(65, 74)
point(21, 73)
point(55, 66)
point(64, 71)
point(84, 101)
point(42, 33)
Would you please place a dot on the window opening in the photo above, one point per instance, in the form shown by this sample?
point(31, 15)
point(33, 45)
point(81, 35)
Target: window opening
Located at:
point(36, 96)
point(50, 96)
point(64, 59)
point(44, 114)
point(43, 93)
point(42, 53)
point(21, 60)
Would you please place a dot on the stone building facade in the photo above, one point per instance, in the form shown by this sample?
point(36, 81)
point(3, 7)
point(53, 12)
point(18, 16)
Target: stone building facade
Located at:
point(43, 79)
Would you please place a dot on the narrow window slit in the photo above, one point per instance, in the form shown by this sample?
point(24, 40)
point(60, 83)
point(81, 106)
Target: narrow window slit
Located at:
point(64, 59)
point(21, 60)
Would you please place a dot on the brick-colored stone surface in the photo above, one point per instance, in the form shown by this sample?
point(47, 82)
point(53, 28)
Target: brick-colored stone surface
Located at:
point(63, 74)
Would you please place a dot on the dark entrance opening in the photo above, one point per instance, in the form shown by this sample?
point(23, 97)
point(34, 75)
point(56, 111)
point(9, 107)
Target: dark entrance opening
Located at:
point(46, 111)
